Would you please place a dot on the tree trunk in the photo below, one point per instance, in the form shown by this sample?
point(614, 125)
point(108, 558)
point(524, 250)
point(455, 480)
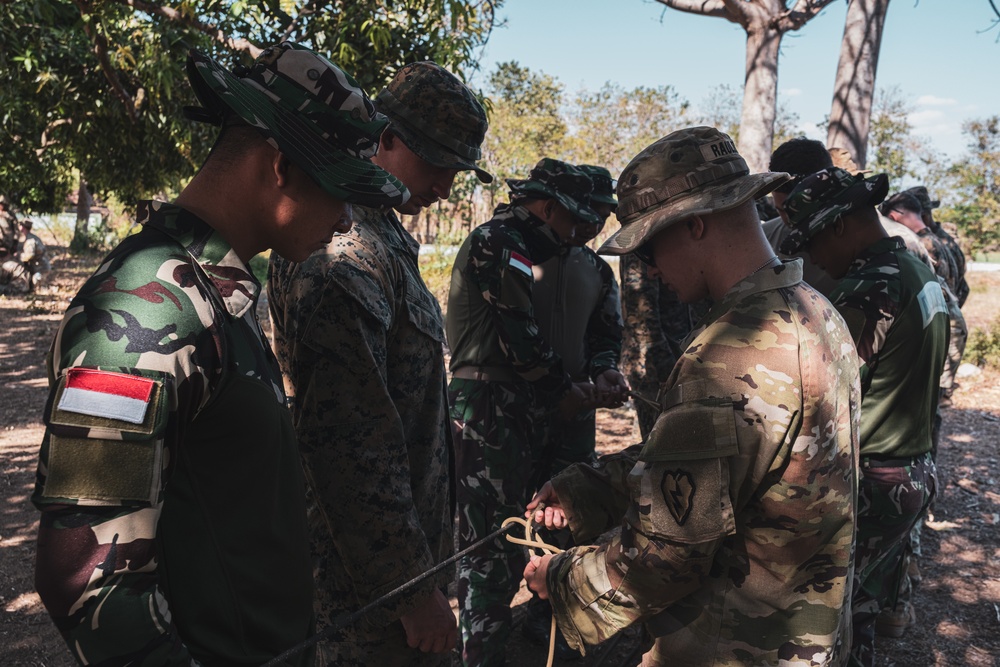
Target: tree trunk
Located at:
point(81, 239)
point(760, 93)
point(854, 88)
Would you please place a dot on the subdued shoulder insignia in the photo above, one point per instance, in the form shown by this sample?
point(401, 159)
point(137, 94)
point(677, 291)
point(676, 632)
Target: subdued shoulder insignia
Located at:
point(678, 494)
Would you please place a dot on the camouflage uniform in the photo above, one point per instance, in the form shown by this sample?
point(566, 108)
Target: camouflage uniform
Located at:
point(960, 287)
point(897, 313)
point(655, 324)
point(8, 229)
point(153, 525)
point(360, 341)
point(506, 379)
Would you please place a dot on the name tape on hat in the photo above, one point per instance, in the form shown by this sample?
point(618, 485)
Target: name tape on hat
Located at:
point(718, 149)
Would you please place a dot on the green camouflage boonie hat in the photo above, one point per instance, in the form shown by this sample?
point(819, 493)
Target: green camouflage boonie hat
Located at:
point(436, 116)
point(821, 198)
point(604, 184)
point(554, 179)
point(924, 197)
point(689, 172)
point(307, 108)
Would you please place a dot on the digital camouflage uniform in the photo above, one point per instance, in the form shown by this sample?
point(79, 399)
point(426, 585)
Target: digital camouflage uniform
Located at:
point(192, 563)
point(655, 324)
point(360, 341)
point(507, 378)
point(738, 511)
point(898, 317)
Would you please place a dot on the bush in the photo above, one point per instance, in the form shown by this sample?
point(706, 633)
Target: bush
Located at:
point(435, 268)
point(983, 348)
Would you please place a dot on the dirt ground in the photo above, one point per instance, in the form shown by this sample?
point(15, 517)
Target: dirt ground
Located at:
point(958, 602)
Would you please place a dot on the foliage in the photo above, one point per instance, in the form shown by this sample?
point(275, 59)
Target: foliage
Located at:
point(721, 108)
point(892, 146)
point(975, 186)
point(983, 347)
point(99, 86)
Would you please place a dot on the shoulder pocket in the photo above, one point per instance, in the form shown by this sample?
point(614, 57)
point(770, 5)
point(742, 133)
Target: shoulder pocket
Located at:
point(105, 429)
point(693, 425)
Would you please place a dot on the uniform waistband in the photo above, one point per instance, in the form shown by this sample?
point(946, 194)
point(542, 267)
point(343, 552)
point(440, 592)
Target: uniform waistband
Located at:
point(878, 461)
point(486, 374)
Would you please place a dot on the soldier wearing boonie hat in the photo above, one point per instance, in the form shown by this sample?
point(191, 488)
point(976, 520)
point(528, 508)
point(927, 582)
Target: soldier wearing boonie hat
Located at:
point(736, 521)
point(927, 205)
point(359, 338)
point(898, 317)
point(506, 378)
point(170, 458)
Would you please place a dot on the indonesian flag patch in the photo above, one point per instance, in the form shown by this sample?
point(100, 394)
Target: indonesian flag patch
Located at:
point(521, 263)
point(106, 394)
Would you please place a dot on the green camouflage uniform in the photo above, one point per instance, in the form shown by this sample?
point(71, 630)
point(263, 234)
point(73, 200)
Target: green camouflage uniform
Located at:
point(739, 509)
point(507, 379)
point(360, 341)
point(172, 561)
point(576, 303)
point(655, 324)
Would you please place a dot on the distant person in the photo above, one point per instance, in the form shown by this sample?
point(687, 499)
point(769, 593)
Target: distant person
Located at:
point(33, 254)
point(8, 228)
point(736, 520)
point(896, 310)
point(173, 526)
point(927, 206)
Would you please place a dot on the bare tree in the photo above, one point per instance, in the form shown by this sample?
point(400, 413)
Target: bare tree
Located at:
point(765, 23)
point(854, 88)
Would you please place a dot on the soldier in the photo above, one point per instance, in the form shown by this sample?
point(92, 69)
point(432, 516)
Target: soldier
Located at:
point(8, 228)
point(173, 526)
point(927, 206)
point(32, 254)
point(506, 379)
point(360, 341)
point(737, 514)
point(896, 310)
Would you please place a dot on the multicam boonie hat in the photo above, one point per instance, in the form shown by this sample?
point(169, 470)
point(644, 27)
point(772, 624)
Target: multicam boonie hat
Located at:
point(307, 108)
point(689, 172)
point(842, 158)
point(604, 184)
point(820, 199)
point(436, 116)
point(924, 197)
point(554, 179)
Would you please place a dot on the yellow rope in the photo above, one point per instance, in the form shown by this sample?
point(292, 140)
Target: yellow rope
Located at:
point(532, 541)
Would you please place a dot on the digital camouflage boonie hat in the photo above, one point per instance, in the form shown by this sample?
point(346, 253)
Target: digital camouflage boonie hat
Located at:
point(307, 108)
point(604, 184)
point(689, 172)
point(924, 197)
point(436, 116)
point(821, 198)
point(554, 179)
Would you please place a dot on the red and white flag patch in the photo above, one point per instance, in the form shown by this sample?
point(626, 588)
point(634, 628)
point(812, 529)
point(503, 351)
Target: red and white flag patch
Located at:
point(106, 394)
point(521, 263)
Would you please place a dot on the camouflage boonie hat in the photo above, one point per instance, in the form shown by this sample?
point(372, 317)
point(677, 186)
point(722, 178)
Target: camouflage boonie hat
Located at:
point(901, 201)
point(924, 197)
point(604, 184)
point(554, 179)
point(436, 116)
point(823, 197)
point(689, 172)
point(307, 108)
point(843, 159)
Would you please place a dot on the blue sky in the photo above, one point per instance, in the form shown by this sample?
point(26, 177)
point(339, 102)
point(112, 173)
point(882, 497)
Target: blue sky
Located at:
point(939, 53)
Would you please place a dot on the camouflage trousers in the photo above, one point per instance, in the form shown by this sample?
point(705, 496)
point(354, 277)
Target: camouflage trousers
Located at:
point(496, 425)
point(956, 348)
point(890, 501)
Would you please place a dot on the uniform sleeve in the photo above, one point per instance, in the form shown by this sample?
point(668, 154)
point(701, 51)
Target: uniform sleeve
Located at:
point(350, 433)
point(869, 313)
point(104, 464)
point(500, 272)
point(604, 329)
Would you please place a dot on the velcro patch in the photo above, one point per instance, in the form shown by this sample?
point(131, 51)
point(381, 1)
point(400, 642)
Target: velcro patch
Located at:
point(678, 494)
point(106, 394)
point(521, 263)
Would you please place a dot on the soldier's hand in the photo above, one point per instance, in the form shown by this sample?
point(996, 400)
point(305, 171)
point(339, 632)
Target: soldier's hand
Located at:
point(575, 400)
point(612, 388)
point(551, 515)
point(534, 574)
point(431, 625)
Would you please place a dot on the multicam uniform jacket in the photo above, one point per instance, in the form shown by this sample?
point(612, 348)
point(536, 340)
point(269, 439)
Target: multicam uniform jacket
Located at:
point(736, 542)
point(360, 340)
point(172, 498)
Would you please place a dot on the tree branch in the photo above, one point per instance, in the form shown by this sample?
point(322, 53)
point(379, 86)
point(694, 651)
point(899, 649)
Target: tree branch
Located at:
point(210, 30)
point(703, 7)
point(307, 10)
point(101, 50)
point(800, 14)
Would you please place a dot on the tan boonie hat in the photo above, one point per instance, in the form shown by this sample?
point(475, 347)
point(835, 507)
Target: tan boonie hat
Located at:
point(842, 159)
point(437, 116)
point(689, 172)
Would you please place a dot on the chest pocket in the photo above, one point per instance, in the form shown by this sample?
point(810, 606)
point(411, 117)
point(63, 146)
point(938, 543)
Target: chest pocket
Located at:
point(422, 309)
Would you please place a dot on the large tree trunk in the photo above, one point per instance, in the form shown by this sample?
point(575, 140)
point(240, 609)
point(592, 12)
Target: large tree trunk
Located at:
point(81, 240)
point(854, 88)
point(760, 96)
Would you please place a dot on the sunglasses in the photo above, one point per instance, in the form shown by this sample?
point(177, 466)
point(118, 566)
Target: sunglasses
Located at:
point(644, 254)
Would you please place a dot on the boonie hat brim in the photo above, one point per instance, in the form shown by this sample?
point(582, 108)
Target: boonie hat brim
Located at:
point(532, 188)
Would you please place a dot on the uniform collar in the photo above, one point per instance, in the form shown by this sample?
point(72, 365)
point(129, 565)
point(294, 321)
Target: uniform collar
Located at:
point(391, 229)
point(785, 274)
point(880, 247)
point(235, 283)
